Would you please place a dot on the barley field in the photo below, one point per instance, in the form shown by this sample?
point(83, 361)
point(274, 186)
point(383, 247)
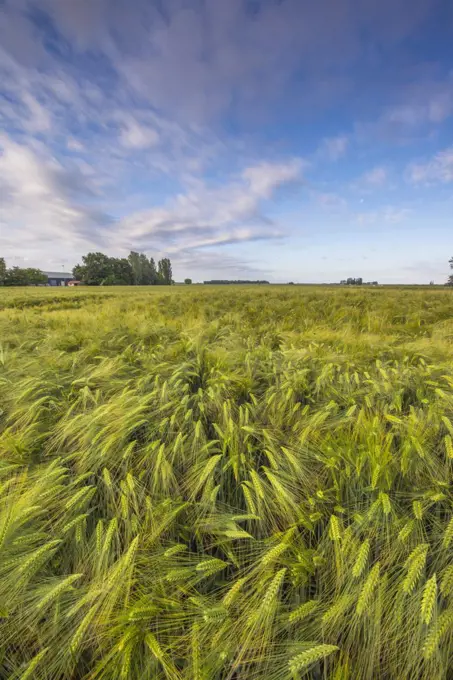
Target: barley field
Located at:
point(226, 483)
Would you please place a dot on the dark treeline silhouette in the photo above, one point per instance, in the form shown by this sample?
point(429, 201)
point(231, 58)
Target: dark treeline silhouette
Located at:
point(216, 282)
point(98, 269)
point(357, 282)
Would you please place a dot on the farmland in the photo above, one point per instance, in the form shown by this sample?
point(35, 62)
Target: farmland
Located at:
point(200, 483)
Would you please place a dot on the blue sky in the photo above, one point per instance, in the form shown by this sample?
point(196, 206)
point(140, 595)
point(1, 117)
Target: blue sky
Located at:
point(278, 139)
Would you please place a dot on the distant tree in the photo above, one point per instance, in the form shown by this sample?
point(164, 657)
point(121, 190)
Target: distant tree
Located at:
point(36, 277)
point(99, 269)
point(2, 271)
point(120, 273)
point(164, 273)
point(188, 281)
point(144, 270)
point(24, 277)
point(152, 272)
point(450, 278)
point(149, 271)
point(145, 276)
point(94, 270)
point(218, 282)
point(135, 262)
point(15, 277)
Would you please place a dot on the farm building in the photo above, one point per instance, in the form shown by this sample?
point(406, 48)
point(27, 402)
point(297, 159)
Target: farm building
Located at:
point(58, 278)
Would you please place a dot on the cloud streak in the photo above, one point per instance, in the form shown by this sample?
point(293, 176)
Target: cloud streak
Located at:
point(207, 216)
point(439, 169)
point(333, 148)
point(44, 202)
point(376, 177)
point(390, 215)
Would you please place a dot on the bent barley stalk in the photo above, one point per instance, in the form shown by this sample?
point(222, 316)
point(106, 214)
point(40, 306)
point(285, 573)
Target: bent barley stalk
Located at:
point(302, 661)
point(207, 483)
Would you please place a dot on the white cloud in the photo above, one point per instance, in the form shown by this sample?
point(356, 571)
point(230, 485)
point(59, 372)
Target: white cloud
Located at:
point(423, 105)
point(330, 201)
point(265, 177)
point(333, 148)
point(39, 118)
point(438, 169)
point(388, 215)
point(206, 216)
point(396, 214)
point(57, 208)
point(74, 144)
point(41, 200)
point(137, 136)
point(441, 107)
point(428, 103)
point(375, 177)
point(55, 202)
point(103, 126)
point(197, 59)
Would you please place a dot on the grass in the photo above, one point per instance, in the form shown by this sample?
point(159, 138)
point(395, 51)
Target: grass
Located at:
point(226, 484)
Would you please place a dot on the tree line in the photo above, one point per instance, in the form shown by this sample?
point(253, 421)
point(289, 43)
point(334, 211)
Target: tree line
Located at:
point(98, 269)
point(18, 276)
point(357, 282)
point(136, 270)
point(218, 282)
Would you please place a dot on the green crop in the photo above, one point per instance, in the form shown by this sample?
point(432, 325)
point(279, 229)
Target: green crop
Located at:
point(226, 483)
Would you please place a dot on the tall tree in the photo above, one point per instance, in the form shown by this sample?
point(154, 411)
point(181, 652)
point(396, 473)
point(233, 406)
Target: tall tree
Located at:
point(152, 271)
point(135, 262)
point(98, 269)
point(35, 276)
point(120, 273)
point(144, 270)
point(94, 270)
point(16, 277)
point(2, 270)
point(164, 272)
point(149, 271)
point(450, 278)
